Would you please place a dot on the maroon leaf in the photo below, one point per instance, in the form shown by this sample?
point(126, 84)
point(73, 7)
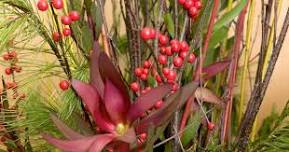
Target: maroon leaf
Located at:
point(95, 77)
point(97, 142)
point(67, 132)
point(91, 99)
point(115, 103)
point(206, 95)
point(215, 68)
point(173, 103)
point(147, 101)
point(108, 71)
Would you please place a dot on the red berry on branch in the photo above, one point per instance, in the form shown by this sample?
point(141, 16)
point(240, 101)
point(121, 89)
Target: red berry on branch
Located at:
point(172, 75)
point(143, 136)
point(193, 12)
point(175, 87)
point(162, 59)
point(178, 61)
point(184, 46)
point(173, 41)
point(74, 15)
point(134, 86)
point(153, 33)
point(145, 71)
point(6, 57)
point(146, 33)
point(188, 4)
point(12, 54)
point(66, 31)
point(175, 47)
point(147, 64)
point(159, 104)
point(64, 85)
point(163, 39)
point(57, 4)
point(158, 78)
point(198, 4)
point(66, 20)
point(144, 77)
point(169, 51)
point(42, 5)
point(182, 2)
point(163, 50)
point(183, 54)
point(192, 58)
point(138, 71)
point(166, 71)
point(56, 36)
point(210, 126)
point(8, 71)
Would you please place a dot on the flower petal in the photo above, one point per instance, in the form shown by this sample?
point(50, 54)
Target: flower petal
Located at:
point(108, 71)
point(67, 132)
point(80, 145)
point(99, 144)
point(172, 103)
point(95, 77)
point(129, 136)
point(147, 101)
point(115, 103)
point(91, 98)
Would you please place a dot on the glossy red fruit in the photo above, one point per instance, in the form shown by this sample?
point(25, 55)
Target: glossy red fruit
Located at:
point(159, 104)
point(153, 33)
point(176, 47)
point(144, 77)
point(193, 12)
point(183, 54)
point(56, 36)
point(172, 75)
point(162, 59)
point(8, 71)
point(134, 86)
point(66, 31)
point(12, 54)
point(158, 78)
point(166, 71)
point(184, 46)
point(6, 57)
point(147, 64)
point(42, 5)
point(66, 20)
point(178, 61)
point(188, 4)
point(211, 126)
point(145, 71)
point(163, 39)
point(146, 33)
point(163, 50)
point(64, 85)
point(169, 51)
point(57, 4)
point(175, 87)
point(74, 15)
point(198, 4)
point(138, 71)
point(173, 41)
point(143, 136)
point(182, 2)
point(192, 58)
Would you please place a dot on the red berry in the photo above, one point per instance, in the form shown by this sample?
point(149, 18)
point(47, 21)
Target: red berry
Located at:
point(134, 86)
point(6, 57)
point(153, 33)
point(64, 85)
point(184, 46)
point(176, 47)
point(163, 39)
point(211, 126)
point(66, 31)
point(182, 2)
point(8, 71)
point(145, 71)
point(175, 87)
point(146, 33)
point(147, 89)
point(163, 50)
point(183, 54)
point(144, 77)
point(172, 75)
point(178, 61)
point(169, 51)
point(198, 4)
point(143, 136)
point(193, 12)
point(74, 15)
point(173, 41)
point(66, 20)
point(166, 71)
point(162, 59)
point(57, 4)
point(159, 104)
point(188, 4)
point(158, 78)
point(147, 64)
point(191, 58)
point(138, 71)
point(56, 36)
point(42, 5)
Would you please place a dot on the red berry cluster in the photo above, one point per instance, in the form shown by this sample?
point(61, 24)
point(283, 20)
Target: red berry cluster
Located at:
point(192, 6)
point(66, 20)
point(64, 85)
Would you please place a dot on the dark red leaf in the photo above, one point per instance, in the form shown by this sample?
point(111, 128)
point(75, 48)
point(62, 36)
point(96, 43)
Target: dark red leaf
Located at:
point(147, 101)
point(215, 68)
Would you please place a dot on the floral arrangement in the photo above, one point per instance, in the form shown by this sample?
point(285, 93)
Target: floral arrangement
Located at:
point(74, 82)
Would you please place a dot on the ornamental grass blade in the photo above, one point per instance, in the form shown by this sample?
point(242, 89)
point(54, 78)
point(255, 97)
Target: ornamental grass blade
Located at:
point(206, 95)
point(215, 68)
point(65, 130)
point(108, 71)
point(147, 101)
point(172, 104)
point(95, 77)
